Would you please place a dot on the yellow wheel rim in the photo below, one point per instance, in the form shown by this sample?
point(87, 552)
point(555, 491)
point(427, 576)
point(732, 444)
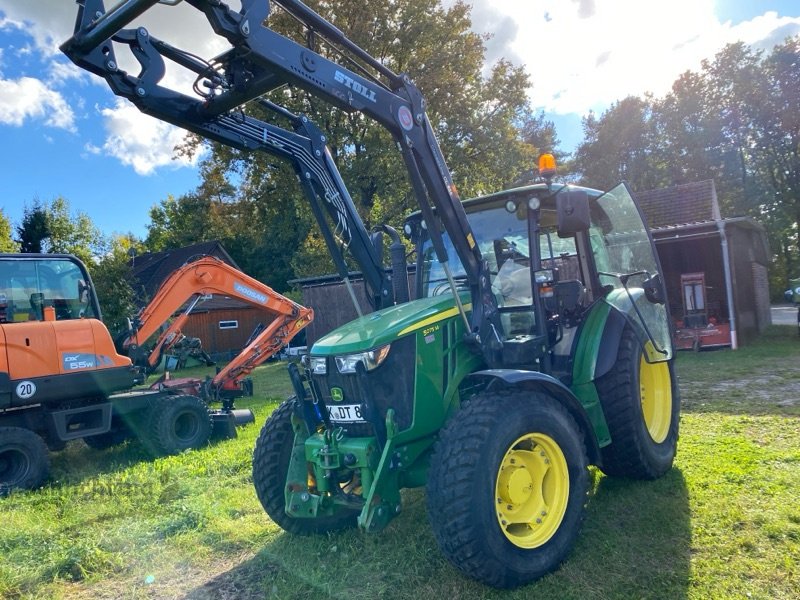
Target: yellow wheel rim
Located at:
point(532, 490)
point(655, 388)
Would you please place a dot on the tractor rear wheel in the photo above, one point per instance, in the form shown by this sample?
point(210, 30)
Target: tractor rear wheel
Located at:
point(507, 487)
point(24, 462)
point(641, 403)
point(271, 459)
point(176, 423)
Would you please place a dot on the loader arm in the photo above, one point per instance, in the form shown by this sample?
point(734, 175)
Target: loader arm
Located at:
point(209, 275)
point(261, 60)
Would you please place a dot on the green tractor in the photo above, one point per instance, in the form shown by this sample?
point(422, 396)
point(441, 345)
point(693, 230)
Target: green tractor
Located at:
point(400, 399)
point(538, 342)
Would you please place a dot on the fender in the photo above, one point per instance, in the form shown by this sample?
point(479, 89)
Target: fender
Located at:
point(534, 380)
point(612, 333)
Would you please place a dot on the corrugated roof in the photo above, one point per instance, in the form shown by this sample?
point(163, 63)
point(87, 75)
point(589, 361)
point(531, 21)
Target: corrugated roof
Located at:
point(694, 202)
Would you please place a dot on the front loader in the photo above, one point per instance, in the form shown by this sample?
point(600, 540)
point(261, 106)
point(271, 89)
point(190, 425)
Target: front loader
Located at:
point(538, 343)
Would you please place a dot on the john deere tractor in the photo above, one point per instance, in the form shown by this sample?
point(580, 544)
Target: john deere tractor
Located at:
point(538, 342)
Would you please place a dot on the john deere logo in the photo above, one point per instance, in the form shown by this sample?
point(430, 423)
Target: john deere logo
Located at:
point(337, 395)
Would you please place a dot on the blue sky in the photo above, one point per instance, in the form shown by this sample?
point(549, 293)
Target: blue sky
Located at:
point(63, 133)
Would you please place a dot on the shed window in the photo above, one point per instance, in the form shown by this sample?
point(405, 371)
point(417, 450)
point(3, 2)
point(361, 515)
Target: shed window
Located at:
point(229, 324)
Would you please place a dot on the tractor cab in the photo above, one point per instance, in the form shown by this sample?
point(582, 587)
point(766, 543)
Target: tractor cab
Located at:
point(587, 245)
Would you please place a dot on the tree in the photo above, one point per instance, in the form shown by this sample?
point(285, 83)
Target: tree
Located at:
point(7, 244)
point(72, 233)
point(33, 229)
point(476, 117)
point(53, 228)
point(112, 276)
point(618, 146)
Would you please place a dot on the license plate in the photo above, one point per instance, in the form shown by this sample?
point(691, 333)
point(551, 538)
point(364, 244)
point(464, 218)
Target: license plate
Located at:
point(346, 413)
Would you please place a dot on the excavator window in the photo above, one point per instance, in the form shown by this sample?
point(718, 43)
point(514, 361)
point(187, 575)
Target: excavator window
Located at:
point(32, 284)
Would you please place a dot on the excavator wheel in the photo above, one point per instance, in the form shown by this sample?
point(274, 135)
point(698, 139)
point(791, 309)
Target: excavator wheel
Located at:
point(24, 462)
point(176, 423)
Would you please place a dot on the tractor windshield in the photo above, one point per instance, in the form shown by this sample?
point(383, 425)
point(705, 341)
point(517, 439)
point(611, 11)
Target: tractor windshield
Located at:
point(501, 229)
point(626, 261)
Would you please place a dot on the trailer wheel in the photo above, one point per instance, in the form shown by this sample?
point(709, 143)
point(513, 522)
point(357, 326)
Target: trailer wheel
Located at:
point(177, 423)
point(507, 487)
point(641, 403)
point(24, 462)
point(270, 468)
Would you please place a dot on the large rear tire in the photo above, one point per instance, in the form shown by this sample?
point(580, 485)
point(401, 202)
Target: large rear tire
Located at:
point(641, 403)
point(271, 459)
point(177, 423)
point(24, 461)
point(507, 487)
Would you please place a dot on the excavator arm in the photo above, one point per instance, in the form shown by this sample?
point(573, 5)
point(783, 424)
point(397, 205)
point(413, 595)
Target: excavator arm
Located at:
point(209, 275)
point(261, 60)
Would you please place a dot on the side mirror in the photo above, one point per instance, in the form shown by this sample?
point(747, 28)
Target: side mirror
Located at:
point(654, 289)
point(572, 207)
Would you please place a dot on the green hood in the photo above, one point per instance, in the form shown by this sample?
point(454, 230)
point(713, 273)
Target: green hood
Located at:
point(385, 326)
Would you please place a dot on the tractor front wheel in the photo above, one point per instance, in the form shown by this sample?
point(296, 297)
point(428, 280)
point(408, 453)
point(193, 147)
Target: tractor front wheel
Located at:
point(271, 458)
point(176, 423)
point(24, 462)
point(507, 487)
point(641, 403)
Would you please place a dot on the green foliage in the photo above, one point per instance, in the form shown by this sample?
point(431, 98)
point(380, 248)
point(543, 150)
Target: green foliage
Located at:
point(7, 243)
point(53, 228)
point(736, 121)
point(33, 229)
point(112, 276)
point(253, 203)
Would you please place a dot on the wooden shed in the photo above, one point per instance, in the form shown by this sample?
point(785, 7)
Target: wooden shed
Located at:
point(332, 303)
point(715, 268)
point(223, 324)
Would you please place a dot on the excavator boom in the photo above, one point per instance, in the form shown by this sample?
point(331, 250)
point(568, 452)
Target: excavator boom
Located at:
point(210, 275)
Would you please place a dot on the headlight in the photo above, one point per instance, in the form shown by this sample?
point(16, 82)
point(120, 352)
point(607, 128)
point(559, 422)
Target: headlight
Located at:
point(317, 365)
point(371, 359)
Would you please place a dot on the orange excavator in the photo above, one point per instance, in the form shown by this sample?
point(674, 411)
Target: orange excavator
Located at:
point(61, 377)
point(185, 287)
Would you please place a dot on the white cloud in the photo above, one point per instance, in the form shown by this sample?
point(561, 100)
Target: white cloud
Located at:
point(138, 140)
point(29, 98)
point(586, 54)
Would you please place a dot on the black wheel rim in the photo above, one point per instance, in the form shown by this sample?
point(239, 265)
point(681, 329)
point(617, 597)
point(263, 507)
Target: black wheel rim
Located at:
point(187, 426)
point(14, 465)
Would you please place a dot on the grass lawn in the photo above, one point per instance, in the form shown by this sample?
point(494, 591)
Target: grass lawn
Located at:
point(724, 523)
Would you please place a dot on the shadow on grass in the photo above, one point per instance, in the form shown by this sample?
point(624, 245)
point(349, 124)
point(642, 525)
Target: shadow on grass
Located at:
point(635, 543)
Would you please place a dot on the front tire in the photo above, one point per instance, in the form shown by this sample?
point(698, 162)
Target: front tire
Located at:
point(641, 403)
point(271, 458)
point(177, 423)
point(507, 487)
point(24, 461)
